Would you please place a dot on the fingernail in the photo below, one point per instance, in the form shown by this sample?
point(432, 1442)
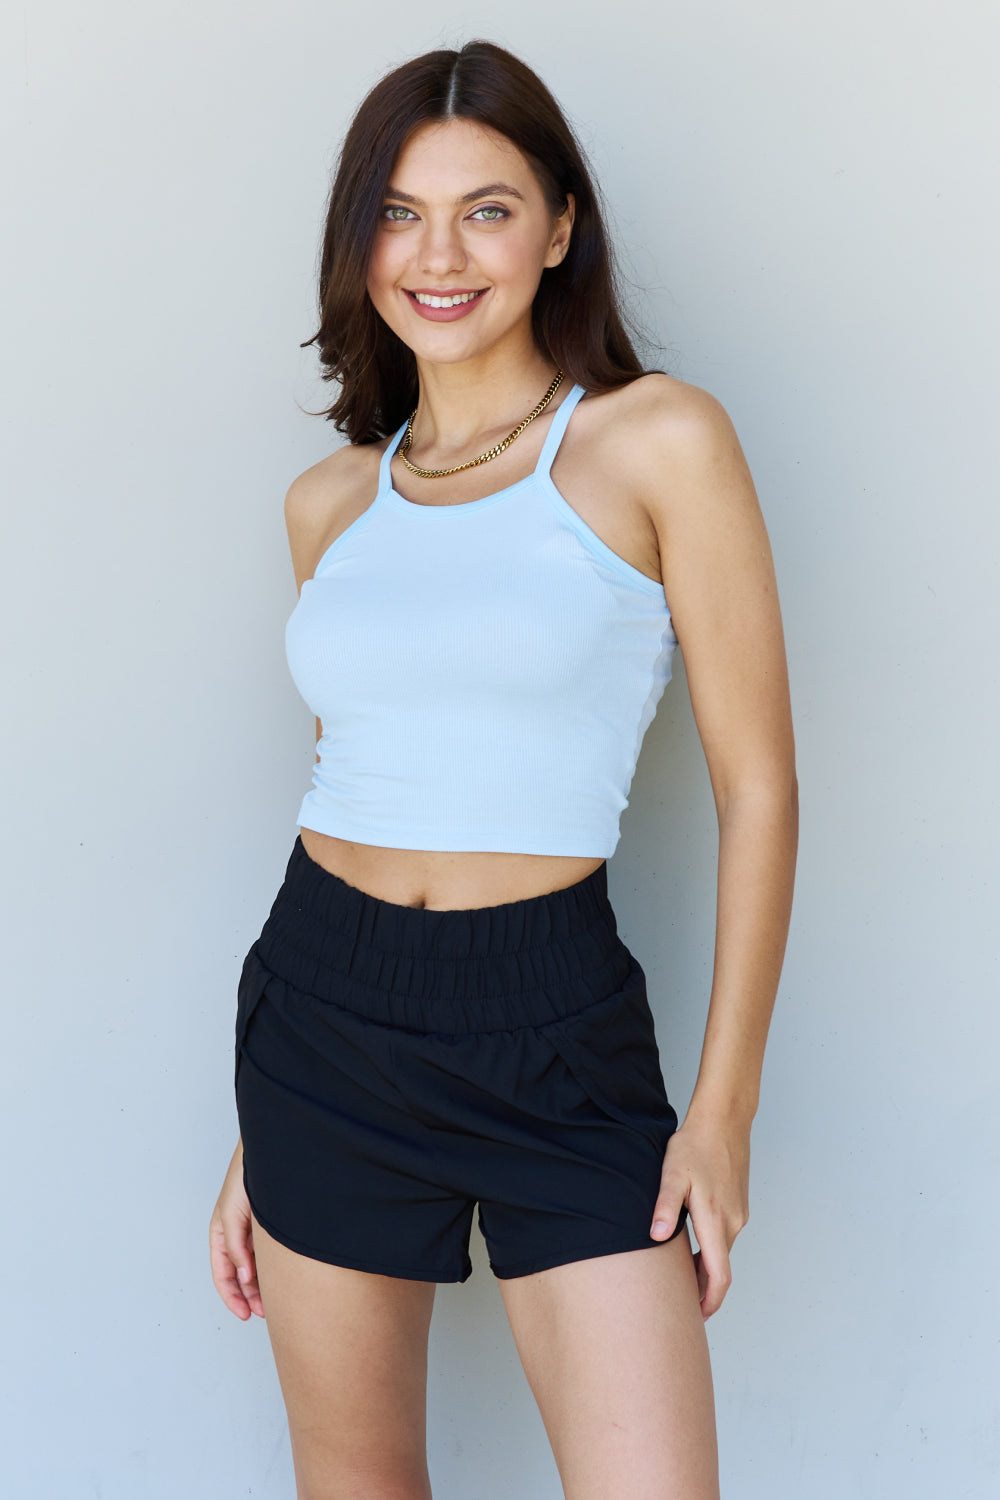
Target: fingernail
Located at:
point(659, 1224)
point(243, 1272)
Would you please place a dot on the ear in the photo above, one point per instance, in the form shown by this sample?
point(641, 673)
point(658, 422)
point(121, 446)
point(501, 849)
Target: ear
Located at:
point(561, 232)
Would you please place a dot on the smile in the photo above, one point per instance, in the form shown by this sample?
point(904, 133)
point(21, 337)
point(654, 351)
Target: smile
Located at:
point(433, 299)
point(445, 307)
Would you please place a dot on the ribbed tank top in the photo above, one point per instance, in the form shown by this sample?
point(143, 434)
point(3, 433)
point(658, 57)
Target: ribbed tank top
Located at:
point(484, 673)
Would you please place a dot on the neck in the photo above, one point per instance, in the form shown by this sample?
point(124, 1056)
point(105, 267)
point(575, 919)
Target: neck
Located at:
point(476, 402)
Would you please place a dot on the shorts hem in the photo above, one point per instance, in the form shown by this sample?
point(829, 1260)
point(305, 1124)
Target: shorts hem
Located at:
point(568, 1257)
point(355, 1263)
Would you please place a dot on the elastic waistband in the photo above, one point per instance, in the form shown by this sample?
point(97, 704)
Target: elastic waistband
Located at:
point(485, 968)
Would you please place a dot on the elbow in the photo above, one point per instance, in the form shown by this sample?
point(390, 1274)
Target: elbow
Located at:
point(771, 795)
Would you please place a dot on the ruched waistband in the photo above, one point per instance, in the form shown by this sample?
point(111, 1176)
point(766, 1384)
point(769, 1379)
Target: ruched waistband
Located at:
point(489, 968)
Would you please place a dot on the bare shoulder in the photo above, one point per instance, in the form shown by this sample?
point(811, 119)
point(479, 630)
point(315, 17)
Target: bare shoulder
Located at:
point(663, 416)
point(323, 500)
point(675, 448)
point(316, 494)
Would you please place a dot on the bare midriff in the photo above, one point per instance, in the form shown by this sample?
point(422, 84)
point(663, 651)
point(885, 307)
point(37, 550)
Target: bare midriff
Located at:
point(444, 880)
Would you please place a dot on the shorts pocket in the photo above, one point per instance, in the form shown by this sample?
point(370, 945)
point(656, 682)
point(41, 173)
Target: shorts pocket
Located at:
point(610, 1048)
point(252, 983)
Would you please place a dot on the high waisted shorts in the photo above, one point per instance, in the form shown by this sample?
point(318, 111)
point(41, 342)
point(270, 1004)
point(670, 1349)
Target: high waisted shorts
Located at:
point(397, 1066)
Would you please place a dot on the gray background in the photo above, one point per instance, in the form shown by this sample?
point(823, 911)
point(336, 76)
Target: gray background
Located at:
point(808, 196)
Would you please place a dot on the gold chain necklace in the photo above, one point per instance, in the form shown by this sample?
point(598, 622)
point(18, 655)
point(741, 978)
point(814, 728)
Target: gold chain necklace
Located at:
point(483, 458)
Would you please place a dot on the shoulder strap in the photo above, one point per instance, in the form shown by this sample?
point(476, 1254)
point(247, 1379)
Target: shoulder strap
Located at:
point(384, 478)
point(555, 433)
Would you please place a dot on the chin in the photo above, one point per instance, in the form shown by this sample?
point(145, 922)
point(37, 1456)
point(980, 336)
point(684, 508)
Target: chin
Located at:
point(442, 355)
point(446, 346)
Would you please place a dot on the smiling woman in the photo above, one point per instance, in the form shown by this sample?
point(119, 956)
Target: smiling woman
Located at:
point(393, 169)
point(439, 1018)
point(498, 249)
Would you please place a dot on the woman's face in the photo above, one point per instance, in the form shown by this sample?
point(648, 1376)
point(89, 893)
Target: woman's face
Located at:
point(464, 218)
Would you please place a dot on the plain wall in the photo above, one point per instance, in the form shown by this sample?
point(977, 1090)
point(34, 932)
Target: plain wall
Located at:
point(807, 196)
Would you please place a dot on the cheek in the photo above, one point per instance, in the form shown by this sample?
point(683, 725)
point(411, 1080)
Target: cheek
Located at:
point(387, 263)
point(515, 261)
point(379, 267)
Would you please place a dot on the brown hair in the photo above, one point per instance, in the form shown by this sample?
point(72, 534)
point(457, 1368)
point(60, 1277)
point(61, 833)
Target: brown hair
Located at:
point(577, 316)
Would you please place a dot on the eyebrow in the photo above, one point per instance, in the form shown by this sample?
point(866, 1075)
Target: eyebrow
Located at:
point(491, 190)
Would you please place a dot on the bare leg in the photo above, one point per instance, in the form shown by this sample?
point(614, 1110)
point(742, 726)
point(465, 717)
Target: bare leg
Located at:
point(615, 1352)
point(351, 1353)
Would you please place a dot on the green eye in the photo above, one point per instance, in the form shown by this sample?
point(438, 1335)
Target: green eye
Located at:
point(493, 213)
point(396, 212)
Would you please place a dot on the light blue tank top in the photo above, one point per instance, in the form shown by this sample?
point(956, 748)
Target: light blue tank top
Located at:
point(484, 673)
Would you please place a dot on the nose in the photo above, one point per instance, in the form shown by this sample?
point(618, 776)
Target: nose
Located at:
point(441, 249)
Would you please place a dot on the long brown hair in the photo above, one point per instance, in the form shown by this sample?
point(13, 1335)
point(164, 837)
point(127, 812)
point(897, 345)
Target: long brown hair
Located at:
point(577, 316)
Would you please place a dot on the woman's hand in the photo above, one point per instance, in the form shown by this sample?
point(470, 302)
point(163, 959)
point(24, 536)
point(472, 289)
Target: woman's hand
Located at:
point(706, 1166)
point(230, 1243)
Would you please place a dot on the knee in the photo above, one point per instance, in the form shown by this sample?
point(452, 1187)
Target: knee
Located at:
point(366, 1482)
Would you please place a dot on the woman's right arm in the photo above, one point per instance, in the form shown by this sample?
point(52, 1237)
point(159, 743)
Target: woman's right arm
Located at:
point(320, 503)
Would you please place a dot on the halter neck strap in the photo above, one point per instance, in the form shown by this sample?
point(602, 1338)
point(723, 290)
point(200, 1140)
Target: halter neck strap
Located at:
point(554, 435)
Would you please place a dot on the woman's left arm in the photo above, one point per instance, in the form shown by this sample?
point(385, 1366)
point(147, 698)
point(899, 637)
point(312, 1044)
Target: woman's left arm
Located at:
point(719, 581)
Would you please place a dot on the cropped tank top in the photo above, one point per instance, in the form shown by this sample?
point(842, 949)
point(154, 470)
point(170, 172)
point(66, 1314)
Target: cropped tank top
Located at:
point(484, 673)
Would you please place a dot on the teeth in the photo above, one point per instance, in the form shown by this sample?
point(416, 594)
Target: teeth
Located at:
point(427, 301)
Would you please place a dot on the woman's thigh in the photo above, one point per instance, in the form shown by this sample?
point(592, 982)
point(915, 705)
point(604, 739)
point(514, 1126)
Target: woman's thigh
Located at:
point(615, 1352)
point(351, 1354)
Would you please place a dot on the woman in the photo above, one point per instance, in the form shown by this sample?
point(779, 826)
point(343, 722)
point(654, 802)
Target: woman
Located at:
point(439, 1011)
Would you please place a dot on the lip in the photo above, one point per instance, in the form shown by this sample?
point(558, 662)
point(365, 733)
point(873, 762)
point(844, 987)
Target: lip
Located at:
point(444, 314)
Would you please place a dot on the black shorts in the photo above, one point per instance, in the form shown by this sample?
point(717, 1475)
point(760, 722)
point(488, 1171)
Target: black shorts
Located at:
point(397, 1065)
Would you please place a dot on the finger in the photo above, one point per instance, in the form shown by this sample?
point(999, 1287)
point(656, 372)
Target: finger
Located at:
point(247, 1276)
point(668, 1208)
point(239, 1248)
point(224, 1274)
point(702, 1275)
point(239, 1243)
point(715, 1264)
